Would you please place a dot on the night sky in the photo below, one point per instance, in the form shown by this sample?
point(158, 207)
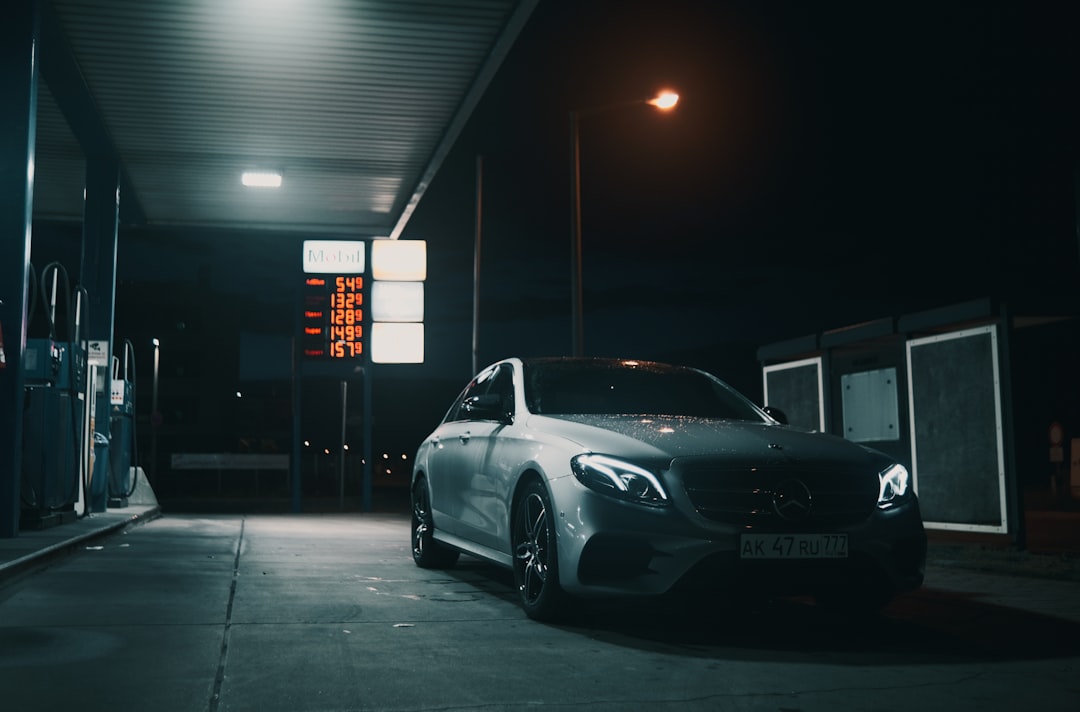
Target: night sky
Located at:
point(828, 164)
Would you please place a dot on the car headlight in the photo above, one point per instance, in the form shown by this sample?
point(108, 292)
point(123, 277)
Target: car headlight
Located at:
point(894, 487)
point(619, 479)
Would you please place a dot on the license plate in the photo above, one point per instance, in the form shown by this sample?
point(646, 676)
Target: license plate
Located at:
point(793, 546)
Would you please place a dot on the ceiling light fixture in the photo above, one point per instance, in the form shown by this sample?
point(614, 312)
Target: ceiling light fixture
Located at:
point(261, 179)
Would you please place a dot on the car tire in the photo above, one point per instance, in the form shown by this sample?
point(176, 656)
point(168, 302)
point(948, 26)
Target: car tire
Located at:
point(536, 560)
point(427, 553)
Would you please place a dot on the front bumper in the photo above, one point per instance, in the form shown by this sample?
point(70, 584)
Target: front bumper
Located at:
point(608, 547)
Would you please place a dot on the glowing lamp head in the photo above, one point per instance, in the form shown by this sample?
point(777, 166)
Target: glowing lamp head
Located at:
point(261, 179)
point(665, 100)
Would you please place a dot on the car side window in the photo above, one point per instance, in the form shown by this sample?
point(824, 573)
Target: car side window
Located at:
point(474, 389)
point(497, 383)
point(502, 385)
point(485, 383)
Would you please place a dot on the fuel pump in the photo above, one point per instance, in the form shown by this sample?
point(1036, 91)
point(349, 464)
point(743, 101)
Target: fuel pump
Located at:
point(122, 428)
point(54, 410)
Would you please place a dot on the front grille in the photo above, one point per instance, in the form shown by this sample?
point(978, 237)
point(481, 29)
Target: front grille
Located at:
point(743, 496)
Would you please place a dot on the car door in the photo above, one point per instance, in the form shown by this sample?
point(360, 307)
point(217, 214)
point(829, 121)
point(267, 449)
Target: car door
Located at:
point(455, 457)
point(483, 514)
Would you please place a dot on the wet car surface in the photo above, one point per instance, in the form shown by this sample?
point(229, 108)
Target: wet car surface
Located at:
point(616, 478)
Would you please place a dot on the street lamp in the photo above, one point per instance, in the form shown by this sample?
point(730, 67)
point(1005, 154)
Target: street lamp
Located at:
point(155, 417)
point(664, 101)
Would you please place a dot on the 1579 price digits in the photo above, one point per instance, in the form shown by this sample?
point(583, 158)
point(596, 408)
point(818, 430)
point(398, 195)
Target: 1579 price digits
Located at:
point(345, 349)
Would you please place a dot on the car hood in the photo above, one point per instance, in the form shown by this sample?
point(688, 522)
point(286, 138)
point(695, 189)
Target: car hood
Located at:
point(673, 437)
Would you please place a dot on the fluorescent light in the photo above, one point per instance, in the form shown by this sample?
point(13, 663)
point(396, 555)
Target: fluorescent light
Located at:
point(261, 179)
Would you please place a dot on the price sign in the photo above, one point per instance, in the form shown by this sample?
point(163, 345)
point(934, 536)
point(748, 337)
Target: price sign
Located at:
point(333, 324)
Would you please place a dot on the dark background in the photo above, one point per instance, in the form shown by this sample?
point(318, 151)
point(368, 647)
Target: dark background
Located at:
point(828, 164)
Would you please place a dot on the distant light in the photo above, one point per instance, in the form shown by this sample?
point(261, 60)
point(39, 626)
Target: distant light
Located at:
point(665, 100)
point(239, 395)
point(404, 456)
point(307, 443)
point(261, 179)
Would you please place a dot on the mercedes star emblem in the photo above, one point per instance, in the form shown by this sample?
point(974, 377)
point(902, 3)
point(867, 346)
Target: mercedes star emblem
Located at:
point(792, 500)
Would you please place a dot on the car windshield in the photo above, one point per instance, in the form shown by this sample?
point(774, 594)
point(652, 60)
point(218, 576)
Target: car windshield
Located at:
point(562, 387)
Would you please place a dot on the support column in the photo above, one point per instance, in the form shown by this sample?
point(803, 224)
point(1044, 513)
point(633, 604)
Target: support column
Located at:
point(19, 47)
point(101, 215)
point(1076, 206)
point(296, 462)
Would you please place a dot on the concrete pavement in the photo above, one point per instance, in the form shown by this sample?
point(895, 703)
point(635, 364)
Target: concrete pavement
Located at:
point(327, 612)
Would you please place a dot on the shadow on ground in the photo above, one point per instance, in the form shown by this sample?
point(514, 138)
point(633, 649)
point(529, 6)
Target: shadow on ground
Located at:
point(924, 627)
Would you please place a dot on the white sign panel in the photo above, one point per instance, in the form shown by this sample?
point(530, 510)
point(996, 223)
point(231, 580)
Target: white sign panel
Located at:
point(116, 396)
point(397, 301)
point(397, 343)
point(870, 403)
point(97, 353)
point(399, 260)
point(334, 257)
point(958, 463)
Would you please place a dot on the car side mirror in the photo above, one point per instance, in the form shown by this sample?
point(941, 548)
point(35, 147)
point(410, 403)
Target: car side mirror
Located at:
point(486, 407)
point(776, 414)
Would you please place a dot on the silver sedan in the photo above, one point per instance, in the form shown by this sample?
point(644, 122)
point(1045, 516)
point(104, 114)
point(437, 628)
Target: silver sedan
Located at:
point(604, 477)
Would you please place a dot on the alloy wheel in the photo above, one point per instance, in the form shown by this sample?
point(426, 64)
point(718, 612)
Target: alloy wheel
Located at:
point(427, 552)
point(531, 551)
point(421, 521)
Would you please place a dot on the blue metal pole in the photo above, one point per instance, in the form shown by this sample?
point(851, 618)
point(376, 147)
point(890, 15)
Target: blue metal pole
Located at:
point(101, 215)
point(20, 46)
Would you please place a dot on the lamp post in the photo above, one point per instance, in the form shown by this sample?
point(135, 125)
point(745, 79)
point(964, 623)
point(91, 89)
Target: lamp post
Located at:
point(155, 418)
point(663, 101)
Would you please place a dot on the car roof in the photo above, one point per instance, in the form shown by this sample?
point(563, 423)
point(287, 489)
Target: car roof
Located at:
point(598, 360)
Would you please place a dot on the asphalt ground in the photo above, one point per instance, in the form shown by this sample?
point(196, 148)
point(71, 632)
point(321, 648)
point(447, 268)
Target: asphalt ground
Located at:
point(140, 610)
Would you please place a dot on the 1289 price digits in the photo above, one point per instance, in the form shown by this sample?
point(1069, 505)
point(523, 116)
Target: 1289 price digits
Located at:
point(346, 316)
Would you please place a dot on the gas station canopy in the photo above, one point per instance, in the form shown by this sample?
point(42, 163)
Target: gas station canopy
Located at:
point(355, 103)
